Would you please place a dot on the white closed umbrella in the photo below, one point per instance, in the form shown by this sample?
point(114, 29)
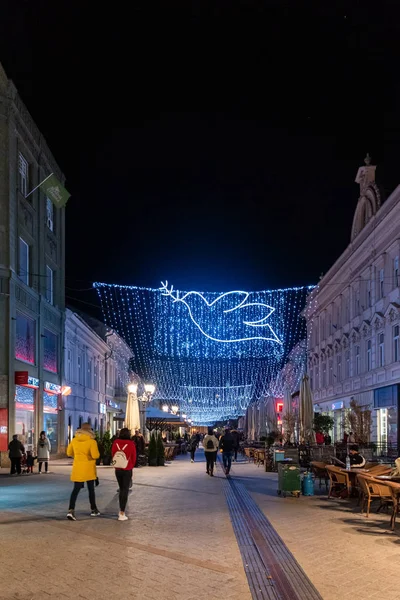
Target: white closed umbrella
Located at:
point(306, 412)
point(132, 416)
point(271, 418)
point(287, 401)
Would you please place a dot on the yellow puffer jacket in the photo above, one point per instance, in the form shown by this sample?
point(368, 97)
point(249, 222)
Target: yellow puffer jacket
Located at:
point(84, 450)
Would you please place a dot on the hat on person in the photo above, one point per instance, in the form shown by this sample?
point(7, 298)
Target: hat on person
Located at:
point(86, 427)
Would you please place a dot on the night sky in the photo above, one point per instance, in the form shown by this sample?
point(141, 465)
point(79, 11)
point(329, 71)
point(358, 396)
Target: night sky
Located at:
point(213, 147)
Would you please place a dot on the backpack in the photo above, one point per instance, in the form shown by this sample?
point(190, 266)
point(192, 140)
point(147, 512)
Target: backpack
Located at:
point(120, 461)
point(210, 445)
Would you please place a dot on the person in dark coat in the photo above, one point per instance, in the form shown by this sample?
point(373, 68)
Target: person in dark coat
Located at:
point(15, 452)
point(235, 435)
point(139, 443)
point(226, 444)
point(193, 443)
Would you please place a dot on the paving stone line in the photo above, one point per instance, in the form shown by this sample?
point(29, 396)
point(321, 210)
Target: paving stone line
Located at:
point(272, 571)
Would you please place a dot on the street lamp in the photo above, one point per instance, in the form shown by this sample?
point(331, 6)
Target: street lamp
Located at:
point(149, 389)
point(174, 409)
point(132, 388)
point(165, 407)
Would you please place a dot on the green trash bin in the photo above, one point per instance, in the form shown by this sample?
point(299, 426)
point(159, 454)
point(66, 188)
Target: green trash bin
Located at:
point(289, 479)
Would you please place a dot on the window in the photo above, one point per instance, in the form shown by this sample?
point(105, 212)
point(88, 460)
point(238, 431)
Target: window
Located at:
point(23, 172)
point(96, 375)
point(50, 354)
point(330, 372)
point(49, 214)
point(338, 367)
point(329, 324)
point(69, 361)
point(317, 377)
point(381, 283)
point(396, 272)
point(356, 301)
point(369, 355)
point(357, 359)
point(89, 373)
point(347, 365)
point(396, 331)
point(49, 284)
point(324, 374)
point(323, 326)
point(23, 261)
point(347, 310)
point(368, 298)
point(381, 340)
point(80, 372)
point(25, 339)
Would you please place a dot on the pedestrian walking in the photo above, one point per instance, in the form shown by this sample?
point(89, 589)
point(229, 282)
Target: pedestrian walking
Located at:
point(124, 459)
point(210, 444)
point(43, 452)
point(193, 443)
point(15, 452)
point(30, 461)
point(226, 444)
point(84, 450)
point(236, 437)
point(138, 439)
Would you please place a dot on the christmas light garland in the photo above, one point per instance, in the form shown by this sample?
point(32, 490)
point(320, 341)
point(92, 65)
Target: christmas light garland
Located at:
point(210, 353)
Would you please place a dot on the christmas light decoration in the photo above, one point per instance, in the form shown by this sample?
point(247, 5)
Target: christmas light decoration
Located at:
point(211, 354)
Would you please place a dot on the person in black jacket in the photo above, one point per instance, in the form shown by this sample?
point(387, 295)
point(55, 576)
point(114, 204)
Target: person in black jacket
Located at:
point(226, 444)
point(235, 435)
point(15, 452)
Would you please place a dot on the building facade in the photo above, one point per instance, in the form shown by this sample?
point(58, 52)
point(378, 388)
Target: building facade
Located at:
point(353, 319)
point(32, 236)
point(96, 375)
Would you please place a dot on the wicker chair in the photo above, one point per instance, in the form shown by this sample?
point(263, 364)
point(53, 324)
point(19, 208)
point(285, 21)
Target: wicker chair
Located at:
point(320, 472)
point(339, 480)
point(373, 489)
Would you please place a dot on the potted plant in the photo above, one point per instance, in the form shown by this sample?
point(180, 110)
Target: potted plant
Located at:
point(160, 451)
point(153, 451)
point(107, 445)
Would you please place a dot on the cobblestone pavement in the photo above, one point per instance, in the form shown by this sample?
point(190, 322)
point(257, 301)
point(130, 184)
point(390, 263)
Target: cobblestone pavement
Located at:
point(179, 541)
point(346, 555)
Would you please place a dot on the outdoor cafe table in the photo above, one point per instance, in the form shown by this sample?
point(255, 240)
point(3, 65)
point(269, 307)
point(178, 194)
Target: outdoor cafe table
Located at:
point(352, 473)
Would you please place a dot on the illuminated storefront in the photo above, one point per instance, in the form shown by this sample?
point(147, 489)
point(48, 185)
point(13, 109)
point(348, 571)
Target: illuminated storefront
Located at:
point(25, 408)
point(51, 394)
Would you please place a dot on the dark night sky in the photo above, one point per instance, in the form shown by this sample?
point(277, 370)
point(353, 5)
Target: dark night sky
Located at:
point(216, 148)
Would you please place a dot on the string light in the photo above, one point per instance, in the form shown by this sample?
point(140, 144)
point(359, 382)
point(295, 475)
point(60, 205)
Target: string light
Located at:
point(209, 353)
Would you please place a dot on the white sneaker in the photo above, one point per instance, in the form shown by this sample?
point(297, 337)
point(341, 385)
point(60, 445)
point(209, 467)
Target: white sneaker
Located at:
point(192, 461)
point(122, 517)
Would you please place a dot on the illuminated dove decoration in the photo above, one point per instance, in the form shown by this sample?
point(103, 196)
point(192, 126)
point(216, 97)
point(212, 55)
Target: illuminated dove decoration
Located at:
point(217, 309)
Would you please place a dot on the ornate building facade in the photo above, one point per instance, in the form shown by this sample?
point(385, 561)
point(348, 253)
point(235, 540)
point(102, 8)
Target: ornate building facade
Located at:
point(353, 318)
point(32, 237)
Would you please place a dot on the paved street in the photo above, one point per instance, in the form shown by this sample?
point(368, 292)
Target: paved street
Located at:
point(179, 541)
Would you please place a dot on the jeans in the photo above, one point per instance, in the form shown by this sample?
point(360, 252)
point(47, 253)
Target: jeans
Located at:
point(124, 478)
point(15, 466)
point(235, 451)
point(78, 485)
point(227, 460)
point(192, 453)
point(46, 465)
point(210, 458)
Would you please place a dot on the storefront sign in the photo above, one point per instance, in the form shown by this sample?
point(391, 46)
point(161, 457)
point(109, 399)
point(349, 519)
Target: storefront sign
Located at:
point(21, 377)
point(102, 408)
point(33, 382)
point(52, 388)
point(112, 404)
point(337, 405)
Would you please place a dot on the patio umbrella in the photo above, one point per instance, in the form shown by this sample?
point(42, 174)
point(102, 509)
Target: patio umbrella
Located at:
point(270, 414)
point(132, 418)
point(306, 412)
point(262, 416)
point(287, 401)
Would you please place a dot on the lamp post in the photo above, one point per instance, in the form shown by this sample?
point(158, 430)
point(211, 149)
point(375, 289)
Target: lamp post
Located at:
point(149, 389)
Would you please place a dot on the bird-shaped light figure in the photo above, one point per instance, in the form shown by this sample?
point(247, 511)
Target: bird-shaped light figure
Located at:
point(238, 311)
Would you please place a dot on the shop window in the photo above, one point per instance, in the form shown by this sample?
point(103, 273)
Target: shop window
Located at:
point(50, 355)
point(50, 419)
point(80, 422)
point(25, 416)
point(25, 339)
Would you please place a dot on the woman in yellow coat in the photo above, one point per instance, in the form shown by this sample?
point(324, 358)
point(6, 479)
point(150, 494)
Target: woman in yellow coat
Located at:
point(84, 450)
